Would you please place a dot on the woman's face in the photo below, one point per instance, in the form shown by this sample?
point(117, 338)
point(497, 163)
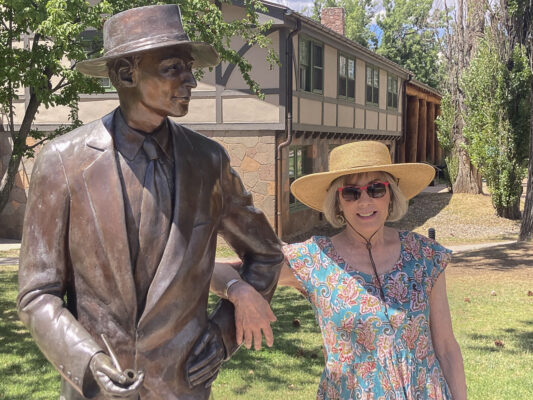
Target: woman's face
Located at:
point(366, 214)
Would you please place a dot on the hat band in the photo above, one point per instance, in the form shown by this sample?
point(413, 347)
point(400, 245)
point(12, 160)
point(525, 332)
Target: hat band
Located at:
point(141, 44)
point(348, 164)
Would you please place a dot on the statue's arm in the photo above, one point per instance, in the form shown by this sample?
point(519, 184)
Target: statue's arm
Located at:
point(248, 231)
point(44, 274)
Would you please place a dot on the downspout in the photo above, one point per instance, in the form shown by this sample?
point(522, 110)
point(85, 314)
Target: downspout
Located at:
point(404, 112)
point(288, 126)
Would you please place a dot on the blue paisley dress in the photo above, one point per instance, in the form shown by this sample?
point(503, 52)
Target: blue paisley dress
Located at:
point(370, 355)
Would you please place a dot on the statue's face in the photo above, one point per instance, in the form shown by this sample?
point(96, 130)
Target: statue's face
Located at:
point(165, 80)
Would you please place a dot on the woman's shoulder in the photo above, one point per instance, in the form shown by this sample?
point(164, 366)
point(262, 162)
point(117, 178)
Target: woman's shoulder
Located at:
point(313, 244)
point(418, 244)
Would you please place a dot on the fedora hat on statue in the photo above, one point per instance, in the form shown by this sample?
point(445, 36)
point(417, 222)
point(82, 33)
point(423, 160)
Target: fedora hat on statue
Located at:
point(142, 29)
point(359, 157)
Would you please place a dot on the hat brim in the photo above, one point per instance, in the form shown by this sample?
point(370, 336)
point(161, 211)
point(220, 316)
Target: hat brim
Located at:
point(412, 178)
point(204, 55)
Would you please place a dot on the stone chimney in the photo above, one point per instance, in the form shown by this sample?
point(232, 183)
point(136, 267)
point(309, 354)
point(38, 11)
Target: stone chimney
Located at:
point(333, 18)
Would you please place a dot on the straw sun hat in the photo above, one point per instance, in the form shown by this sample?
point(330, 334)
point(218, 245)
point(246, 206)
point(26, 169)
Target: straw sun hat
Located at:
point(358, 157)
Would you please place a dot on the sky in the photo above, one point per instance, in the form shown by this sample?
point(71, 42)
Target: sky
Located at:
point(301, 5)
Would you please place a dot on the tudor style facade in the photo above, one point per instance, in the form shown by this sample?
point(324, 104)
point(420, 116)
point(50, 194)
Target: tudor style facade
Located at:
point(327, 91)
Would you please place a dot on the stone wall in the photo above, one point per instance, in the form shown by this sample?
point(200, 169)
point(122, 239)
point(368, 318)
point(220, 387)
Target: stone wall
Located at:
point(252, 155)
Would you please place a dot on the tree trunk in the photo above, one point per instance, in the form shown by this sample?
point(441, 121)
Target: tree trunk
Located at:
point(19, 144)
point(468, 179)
point(526, 228)
point(510, 212)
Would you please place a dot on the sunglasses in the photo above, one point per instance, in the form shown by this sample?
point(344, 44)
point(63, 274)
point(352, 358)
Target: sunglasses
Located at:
point(374, 190)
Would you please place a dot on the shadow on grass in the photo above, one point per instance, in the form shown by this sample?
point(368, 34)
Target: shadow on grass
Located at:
point(297, 347)
point(522, 337)
point(25, 372)
point(499, 258)
point(421, 208)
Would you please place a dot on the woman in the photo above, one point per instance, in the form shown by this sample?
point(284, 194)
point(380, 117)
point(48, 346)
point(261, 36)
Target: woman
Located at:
point(379, 294)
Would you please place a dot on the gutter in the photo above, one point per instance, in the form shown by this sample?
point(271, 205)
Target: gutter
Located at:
point(288, 125)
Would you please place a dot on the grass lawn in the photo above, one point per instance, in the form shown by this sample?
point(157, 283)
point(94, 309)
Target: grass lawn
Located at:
point(292, 368)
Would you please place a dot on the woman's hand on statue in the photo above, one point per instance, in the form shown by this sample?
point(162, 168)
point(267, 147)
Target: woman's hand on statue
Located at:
point(253, 316)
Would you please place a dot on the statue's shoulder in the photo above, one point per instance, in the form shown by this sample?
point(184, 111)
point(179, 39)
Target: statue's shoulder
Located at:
point(74, 140)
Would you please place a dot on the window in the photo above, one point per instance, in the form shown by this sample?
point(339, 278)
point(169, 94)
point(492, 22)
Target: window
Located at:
point(311, 66)
point(346, 84)
point(392, 91)
point(300, 164)
point(92, 41)
point(372, 85)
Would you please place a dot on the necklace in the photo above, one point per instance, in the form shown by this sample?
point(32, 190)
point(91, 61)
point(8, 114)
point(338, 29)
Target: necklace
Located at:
point(381, 291)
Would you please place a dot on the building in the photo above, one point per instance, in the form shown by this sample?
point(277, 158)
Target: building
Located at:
point(327, 91)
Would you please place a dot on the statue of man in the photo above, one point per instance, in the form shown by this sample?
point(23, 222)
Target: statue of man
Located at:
point(120, 233)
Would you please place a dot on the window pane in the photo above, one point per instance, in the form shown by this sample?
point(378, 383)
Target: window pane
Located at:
point(369, 76)
point(342, 66)
point(291, 163)
point(351, 88)
point(351, 69)
point(369, 93)
point(317, 55)
point(376, 78)
point(342, 86)
point(304, 52)
point(298, 163)
point(317, 79)
point(375, 96)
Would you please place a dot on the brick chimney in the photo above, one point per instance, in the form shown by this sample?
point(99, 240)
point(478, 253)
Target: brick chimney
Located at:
point(333, 18)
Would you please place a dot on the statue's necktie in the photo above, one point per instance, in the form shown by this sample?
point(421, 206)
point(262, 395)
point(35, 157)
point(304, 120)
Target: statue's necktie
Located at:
point(156, 210)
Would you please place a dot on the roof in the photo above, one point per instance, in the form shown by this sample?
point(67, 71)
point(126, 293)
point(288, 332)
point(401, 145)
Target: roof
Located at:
point(288, 12)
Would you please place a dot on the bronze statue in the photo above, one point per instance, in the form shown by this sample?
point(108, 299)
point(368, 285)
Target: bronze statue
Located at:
point(120, 232)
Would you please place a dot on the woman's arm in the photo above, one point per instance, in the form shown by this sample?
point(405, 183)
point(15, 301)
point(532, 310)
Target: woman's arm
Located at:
point(253, 314)
point(446, 347)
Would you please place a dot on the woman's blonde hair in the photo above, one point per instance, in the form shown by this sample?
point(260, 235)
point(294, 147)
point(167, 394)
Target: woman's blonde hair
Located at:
point(397, 208)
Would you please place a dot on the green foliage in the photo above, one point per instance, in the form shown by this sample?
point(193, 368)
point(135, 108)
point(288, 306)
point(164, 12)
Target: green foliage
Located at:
point(496, 127)
point(445, 124)
point(358, 17)
point(409, 38)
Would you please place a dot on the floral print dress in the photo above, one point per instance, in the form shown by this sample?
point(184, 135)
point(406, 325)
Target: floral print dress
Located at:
point(370, 355)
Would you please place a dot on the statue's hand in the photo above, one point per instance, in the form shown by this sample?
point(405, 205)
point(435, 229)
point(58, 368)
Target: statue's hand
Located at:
point(111, 381)
point(206, 357)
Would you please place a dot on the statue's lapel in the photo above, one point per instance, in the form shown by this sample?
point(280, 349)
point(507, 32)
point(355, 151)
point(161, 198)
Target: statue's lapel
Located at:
point(106, 200)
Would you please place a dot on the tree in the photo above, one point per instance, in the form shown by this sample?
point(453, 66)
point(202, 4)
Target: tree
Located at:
point(55, 30)
point(358, 17)
point(410, 37)
point(460, 40)
point(496, 118)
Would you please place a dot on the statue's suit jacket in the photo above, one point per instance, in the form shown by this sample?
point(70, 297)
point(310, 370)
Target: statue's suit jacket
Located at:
point(76, 280)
